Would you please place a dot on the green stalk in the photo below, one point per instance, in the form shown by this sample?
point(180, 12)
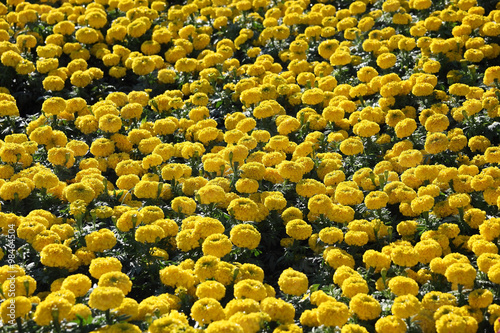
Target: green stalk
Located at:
point(19, 325)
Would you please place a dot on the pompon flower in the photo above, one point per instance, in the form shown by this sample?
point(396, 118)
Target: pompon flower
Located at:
point(79, 191)
point(20, 304)
point(391, 324)
point(106, 298)
point(298, 229)
point(278, 309)
point(116, 279)
point(206, 311)
point(56, 255)
point(184, 205)
point(243, 209)
point(365, 307)
point(406, 306)
point(225, 326)
point(292, 282)
point(16, 189)
point(78, 284)
point(480, 298)
point(217, 245)
point(491, 75)
point(100, 266)
point(351, 146)
point(52, 310)
point(245, 235)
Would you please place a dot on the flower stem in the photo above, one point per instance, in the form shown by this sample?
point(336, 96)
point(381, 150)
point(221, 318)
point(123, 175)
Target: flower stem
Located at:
point(55, 317)
point(19, 325)
point(426, 218)
point(108, 317)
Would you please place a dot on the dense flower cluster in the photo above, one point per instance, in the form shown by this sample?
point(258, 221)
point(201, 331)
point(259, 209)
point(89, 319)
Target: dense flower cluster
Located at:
point(250, 166)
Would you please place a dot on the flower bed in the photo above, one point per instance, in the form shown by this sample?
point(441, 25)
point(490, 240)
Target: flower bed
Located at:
point(249, 166)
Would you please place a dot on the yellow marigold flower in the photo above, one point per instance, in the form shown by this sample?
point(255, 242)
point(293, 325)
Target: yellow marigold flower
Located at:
point(99, 241)
point(250, 288)
point(246, 305)
point(365, 307)
point(106, 298)
point(351, 146)
point(422, 89)
point(376, 200)
point(211, 289)
point(405, 256)
point(436, 143)
point(19, 285)
point(474, 55)
point(250, 322)
point(45, 310)
point(461, 273)
point(53, 83)
point(102, 147)
point(187, 240)
point(377, 260)
point(366, 128)
point(333, 113)
point(427, 250)
point(116, 279)
point(100, 266)
point(278, 309)
point(410, 158)
point(437, 123)
point(331, 235)
point(357, 238)
point(79, 191)
point(313, 96)
point(8, 108)
point(20, 305)
point(480, 298)
point(87, 124)
point(310, 187)
point(147, 189)
point(78, 284)
point(335, 258)
point(310, 318)
point(127, 182)
point(401, 285)
point(243, 209)
point(16, 189)
point(184, 205)
point(211, 194)
point(176, 276)
point(459, 200)
point(247, 185)
point(391, 324)
point(206, 311)
point(327, 48)
point(492, 154)
point(224, 325)
point(217, 245)
point(292, 282)
point(53, 105)
point(386, 60)
point(354, 285)
point(340, 58)
point(491, 74)
point(348, 196)
point(406, 306)
point(149, 234)
point(245, 235)
point(56, 255)
point(333, 313)
point(453, 321)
